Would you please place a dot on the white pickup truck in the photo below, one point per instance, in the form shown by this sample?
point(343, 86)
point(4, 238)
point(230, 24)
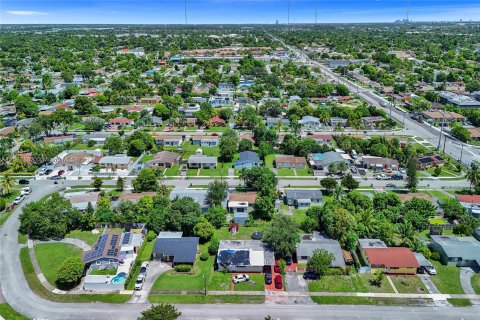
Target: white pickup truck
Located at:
point(382, 176)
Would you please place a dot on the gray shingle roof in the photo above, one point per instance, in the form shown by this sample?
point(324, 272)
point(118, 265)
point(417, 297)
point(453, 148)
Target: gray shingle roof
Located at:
point(184, 250)
point(249, 156)
point(468, 248)
point(202, 159)
point(306, 248)
point(303, 194)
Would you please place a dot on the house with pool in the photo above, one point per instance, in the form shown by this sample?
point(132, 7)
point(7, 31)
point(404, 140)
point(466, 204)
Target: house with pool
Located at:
point(109, 261)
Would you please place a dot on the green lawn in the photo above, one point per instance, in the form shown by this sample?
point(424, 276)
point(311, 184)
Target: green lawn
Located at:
point(192, 172)
point(8, 313)
point(299, 215)
point(107, 272)
point(269, 160)
point(22, 238)
point(285, 172)
point(439, 195)
point(437, 221)
point(189, 150)
point(372, 301)
point(84, 146)
point(458, 302)
point(146, 158)
point(202, 299)
point(78, 126)
point(87, 236)
point(303, 172)
point(51, 255)
point(244, 233)
point(409, 284)
point(255, 284)
point(447, 279)
point(217, 129)
point(476, 283)
point(220, 170)
point(352, 283)
point(175, 281)
point(37, 287)
point(173, 171)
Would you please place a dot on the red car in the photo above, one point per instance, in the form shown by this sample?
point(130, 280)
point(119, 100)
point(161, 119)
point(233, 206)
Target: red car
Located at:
point(61, 172)
point(278, 281)
point(9, 207)
point(276, 268)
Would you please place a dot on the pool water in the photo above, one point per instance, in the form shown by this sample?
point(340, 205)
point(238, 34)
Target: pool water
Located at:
point(119, 278)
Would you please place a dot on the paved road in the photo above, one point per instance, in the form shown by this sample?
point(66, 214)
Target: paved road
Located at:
point(20, 297)
point(452, 147)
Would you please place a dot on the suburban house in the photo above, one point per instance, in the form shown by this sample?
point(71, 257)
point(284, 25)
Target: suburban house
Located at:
point(393, 260)
point(199, 196)
point(190, 109)
point(338, 122)
point(311, 242)
point(439, 116)
point(175, 250)
point(244, 256)
point(273, 122)
point(202, 162)
point(120, 122)
point(371, 162)
point(429, 161)
point(163, 159)
point(205, 141)
point(168, 140)
point(309, 121)
point(79, 160)
point(319, 161)
point(247, 136)
point(457, 251)
point(98, 137)
point(189, 122)
point(117, 162)
point(372, 121)
point(368, 244)
point(81, 199)
point(474, 133)
point(111, 251)
point(320, 138)
point(302, 199)
point(247, 159)
point(470, 202)
point(58, 139)
point(290, 162)
point(216, 121)
point(240, 204)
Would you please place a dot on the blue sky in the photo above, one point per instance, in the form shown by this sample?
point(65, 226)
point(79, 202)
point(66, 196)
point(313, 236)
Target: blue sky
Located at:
point(232, 11)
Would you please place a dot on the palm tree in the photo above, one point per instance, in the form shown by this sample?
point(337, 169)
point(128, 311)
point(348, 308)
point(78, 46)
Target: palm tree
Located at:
point(473, 175)
point(243, 175)
point(369, 223)
point(7, 184)
point(406, 233)
point(342, 167)
point(338, 192)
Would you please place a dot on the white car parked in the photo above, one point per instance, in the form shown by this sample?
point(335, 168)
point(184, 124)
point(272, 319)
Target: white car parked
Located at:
point(18, 200)
point(140, 281)
point(26, 191)
point(241, 278)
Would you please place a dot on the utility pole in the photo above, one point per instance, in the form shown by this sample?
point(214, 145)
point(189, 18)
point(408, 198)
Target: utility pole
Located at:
point(441, 131)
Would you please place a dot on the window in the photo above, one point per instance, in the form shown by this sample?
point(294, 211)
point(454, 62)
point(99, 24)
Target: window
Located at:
point(240, 210)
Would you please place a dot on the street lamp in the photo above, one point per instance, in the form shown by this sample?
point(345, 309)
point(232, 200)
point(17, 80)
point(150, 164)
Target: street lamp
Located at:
point(205, 283)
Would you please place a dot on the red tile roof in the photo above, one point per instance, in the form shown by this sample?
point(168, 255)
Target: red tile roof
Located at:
point(395, 257)
point(468, 198)
point(249, 197)
point(121, 120)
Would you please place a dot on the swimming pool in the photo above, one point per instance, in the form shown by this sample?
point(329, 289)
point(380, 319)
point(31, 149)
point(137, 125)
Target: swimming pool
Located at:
point(119, 278)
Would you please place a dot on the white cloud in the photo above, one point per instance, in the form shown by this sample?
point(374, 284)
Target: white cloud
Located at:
point(26, 13)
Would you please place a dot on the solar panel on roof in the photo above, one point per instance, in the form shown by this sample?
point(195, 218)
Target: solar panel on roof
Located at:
point(126, 238)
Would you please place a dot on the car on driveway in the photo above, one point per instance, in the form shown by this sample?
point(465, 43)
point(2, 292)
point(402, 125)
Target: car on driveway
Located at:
point(382, 176)
point(309, 275)
point(26, 191)
point(60, 172)
point(353, 169)
point(23, 181)
point(276, 268)
point(268, 278)
point(278, 282)
point(238, 278)
point(431, 270)
point(288, 261)
point(144, 268)
point(139, 282)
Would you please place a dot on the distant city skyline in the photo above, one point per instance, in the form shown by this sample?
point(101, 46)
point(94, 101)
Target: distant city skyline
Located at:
point(233, 11)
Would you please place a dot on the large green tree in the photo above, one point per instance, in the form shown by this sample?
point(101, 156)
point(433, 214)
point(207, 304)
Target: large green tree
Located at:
point(282, 236)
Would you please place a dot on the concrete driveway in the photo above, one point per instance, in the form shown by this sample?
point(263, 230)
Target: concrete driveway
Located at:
point(294, 282)
point(155, 269)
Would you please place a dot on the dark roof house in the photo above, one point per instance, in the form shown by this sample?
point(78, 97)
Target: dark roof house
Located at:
point(176, 250)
